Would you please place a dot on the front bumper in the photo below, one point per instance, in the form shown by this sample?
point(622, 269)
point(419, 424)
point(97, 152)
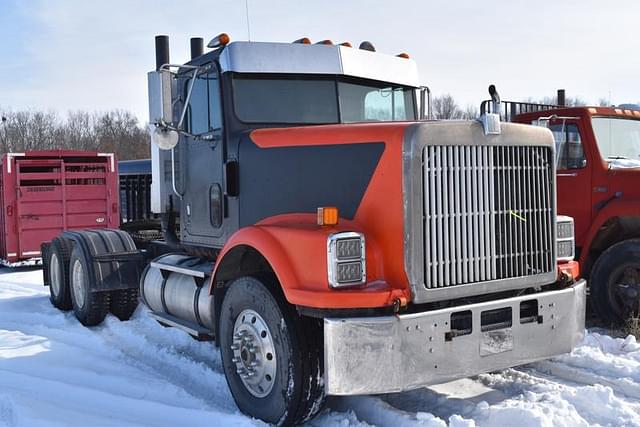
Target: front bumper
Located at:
point(396, 353)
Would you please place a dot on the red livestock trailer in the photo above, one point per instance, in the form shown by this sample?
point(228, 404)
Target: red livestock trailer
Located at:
point(46, 192)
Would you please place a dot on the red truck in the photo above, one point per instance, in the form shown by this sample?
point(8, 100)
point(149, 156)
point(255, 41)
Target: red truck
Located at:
point(327, 239)
point(598, 170)
point(47, 192)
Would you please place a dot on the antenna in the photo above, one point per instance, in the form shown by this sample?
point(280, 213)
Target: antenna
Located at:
point(246, 6)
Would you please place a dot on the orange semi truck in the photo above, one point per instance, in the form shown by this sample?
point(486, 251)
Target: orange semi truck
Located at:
point(327, 239)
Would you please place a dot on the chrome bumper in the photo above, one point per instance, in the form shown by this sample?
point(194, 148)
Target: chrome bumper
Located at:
point(396, 353)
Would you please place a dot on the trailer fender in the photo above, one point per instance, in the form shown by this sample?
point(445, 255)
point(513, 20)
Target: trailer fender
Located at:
point(615, 208)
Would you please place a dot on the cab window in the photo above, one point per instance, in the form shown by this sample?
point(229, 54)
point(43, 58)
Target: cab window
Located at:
point(569, 149)
point(204, 113)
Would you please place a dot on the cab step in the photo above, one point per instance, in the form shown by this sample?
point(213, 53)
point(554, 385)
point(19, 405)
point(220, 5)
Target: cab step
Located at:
point(198, 332)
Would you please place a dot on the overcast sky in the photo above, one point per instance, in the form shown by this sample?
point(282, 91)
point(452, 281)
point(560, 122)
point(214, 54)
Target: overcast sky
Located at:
point(93, 55)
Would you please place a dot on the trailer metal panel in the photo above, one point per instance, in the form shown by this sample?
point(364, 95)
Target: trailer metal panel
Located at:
point(47, 192)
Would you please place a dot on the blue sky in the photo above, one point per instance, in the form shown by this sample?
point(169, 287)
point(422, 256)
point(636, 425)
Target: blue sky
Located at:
point(93, 55)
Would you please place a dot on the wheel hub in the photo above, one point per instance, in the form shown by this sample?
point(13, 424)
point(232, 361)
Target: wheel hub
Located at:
point(55, 275)
point(78, 283)
point(253, 353)
point(627, 289)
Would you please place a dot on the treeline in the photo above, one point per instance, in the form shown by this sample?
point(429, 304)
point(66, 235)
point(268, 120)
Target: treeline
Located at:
point(445, 107)
point(116, 131)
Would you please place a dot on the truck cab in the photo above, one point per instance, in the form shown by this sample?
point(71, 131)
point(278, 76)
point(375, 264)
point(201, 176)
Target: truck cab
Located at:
point(327, 239)
point(598, 168)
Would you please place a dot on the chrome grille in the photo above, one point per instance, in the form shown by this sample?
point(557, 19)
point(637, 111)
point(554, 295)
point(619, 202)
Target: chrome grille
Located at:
point(488, 213)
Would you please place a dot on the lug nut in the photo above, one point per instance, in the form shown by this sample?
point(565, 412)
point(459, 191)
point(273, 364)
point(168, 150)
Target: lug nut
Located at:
point(235, 347)
point(235, 360)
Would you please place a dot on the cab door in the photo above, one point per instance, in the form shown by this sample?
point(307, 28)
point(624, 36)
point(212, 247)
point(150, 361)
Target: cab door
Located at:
point(202, 203)
point(573, 174)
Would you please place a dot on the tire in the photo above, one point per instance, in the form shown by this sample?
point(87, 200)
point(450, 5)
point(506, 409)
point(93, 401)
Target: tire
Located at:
point(297, 393)
point(124, 303)
point(619, 264)
point(89, 307)
point(58, 269)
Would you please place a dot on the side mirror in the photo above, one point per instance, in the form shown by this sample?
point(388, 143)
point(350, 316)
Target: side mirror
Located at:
point(163, 137)
point(161, 110)
point(425, 103)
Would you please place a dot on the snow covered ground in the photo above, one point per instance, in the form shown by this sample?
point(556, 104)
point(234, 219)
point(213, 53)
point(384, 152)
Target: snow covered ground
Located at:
point(54, 372)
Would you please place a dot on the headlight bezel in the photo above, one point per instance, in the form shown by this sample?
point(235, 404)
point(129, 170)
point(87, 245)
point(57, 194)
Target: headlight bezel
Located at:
point(565, 223)
point(334, 261)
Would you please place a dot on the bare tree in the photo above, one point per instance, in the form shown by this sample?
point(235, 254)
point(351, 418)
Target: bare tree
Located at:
point(471, 112)
point(445, 108)
point(115, 131)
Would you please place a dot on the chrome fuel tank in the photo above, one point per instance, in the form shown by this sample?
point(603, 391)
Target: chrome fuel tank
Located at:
point(177, 284)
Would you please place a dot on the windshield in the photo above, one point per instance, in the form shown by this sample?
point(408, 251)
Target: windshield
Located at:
point(295, 100)
point(618, 139)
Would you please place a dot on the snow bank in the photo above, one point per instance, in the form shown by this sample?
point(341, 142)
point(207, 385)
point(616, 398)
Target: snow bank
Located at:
point(54, 372)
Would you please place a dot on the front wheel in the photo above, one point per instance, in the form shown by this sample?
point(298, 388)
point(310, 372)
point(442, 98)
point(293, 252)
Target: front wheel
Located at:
point(272, 358)
point(615, 282)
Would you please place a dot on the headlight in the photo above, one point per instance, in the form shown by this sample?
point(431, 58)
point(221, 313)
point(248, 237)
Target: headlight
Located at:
point(565, 238)
point(346, 259)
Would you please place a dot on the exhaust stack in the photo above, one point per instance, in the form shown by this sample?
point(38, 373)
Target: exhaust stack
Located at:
point(562, 99)
point(162, 51)
point(197, 47)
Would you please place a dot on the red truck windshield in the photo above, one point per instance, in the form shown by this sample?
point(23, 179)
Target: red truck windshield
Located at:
point(617, 138)
point(316, 100)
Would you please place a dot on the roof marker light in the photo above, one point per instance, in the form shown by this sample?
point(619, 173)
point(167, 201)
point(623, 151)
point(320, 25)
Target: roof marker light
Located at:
point(593, 110)
point(303, 40)
point(221, 39)
point(326, 41)
point(346, 44)
point(367, 45)
point(403, 55)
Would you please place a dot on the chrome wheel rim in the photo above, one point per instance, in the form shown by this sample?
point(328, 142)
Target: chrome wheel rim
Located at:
point(55, 275)
point(78, 283)
point(253, 353)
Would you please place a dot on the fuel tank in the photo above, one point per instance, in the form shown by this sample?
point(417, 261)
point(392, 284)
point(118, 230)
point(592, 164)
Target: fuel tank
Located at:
point(176, 284)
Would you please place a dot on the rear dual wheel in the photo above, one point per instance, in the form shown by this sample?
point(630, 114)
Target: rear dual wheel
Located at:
point(58, 261)
point(89, 307)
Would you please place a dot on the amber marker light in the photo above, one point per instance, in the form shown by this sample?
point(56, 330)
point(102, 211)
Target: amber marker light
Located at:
point(220, 40)
point(403, 55)
point(303, 40)
point(326, 41)
point(346, 44)
point(328, 215)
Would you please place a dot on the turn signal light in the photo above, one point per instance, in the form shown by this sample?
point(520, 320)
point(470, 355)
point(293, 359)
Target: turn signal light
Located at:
point(570, 269)
point(328, 215)
point(303, 40)
point(219, 40)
